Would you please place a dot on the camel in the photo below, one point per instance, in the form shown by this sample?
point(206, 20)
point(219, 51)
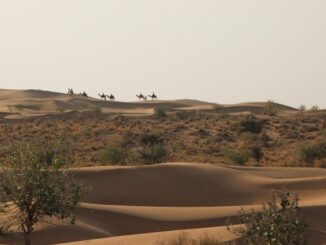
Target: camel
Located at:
point(70, 91)
point(111, 97)
point(140, 96)
point(102, 96)
point(153, 96)
point(83, 94)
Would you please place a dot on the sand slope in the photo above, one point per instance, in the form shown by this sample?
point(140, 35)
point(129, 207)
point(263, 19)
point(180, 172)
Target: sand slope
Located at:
point(137, 200)
point(17, 104)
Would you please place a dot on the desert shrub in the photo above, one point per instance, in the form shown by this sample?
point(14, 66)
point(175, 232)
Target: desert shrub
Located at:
point(277, 223)
point(113, 154)
point(160, 113)
point(256, 152)
point(155, 153)
point(53, 152)
point(310, 152)
point(152, 149)
point(271, 108)
point(185, 239)
point(97, 111)
point(150, 139)
point(314, 108)
point(302, 108)
point(251, 125)
point(237, 156)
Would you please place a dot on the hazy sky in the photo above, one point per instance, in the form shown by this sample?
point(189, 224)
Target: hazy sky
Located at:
point(224, 51)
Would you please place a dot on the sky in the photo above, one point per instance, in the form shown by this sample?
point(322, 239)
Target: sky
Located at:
point(224, 51)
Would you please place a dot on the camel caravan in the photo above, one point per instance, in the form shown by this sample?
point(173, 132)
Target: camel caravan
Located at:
point(111, 97)
point(140, 96)
point(81, 94)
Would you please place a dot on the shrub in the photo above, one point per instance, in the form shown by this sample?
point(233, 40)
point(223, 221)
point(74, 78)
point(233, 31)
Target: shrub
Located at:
point(113, 154)
point(271, 108)
point(314, 108)
point(150, 139)
point(185, 239)
point(256, 153)
point(237, 156)
point(251, 125)
point(160, 113)
point(53, 152)
point(302, 108)
point(155, 153)
point(277, 223)
point(311, 152)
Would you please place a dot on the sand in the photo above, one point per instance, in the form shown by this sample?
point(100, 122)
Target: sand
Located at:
point(19, 104)
point(139, 205)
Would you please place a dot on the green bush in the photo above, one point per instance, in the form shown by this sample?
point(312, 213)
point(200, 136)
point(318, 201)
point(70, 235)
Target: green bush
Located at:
point(251, 125)
point(237, 156)
point(113, 154)
point(257, 153)
point(311, 152)
point(155, 153)
point(160, 113)
point(277, 223)
point(271, 108)
point(53, 152)
point(150, 139)
point(185, 239)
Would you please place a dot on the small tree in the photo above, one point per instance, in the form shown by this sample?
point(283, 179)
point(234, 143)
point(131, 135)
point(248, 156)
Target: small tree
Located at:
point(302, 108)
point(160, 113)
point(276, 224)
point(152, 150)
point(271, 108)
point(38, 190)
point(256, 153)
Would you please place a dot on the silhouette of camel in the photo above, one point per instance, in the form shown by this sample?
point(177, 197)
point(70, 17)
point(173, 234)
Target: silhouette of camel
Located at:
point(153, 96)
point(102, 96)
point(111, 97)
point(70, 91)
point(83, 94)
point(140, 96)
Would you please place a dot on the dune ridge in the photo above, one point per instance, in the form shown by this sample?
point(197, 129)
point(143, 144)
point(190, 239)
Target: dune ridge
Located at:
point(18, 104)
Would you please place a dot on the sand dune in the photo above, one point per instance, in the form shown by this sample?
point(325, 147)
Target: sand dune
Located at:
point(17, 104)
point(138, 200)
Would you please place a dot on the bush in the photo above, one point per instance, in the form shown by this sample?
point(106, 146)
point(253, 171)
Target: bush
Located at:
point(185, 239)
point(155, 153)
point(311, 152)
point(160, 113)
point(271, 108)
point(277, 223)
point(150, 139)
point(113, 154)
point(237, 156)
point(251, 125)
point(53, 152)
point(256, 153)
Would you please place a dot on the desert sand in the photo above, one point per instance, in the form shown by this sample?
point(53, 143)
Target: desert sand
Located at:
point(142, 205)
point(17, 104)
point(146, 204)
